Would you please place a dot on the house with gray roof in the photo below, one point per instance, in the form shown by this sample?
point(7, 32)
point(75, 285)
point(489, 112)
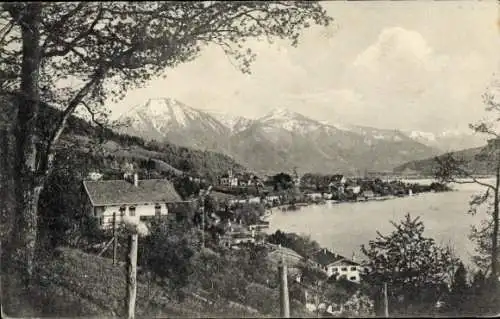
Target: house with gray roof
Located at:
point(129, 198)
point(334, 264)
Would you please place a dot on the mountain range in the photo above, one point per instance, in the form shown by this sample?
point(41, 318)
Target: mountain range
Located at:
point(283, 140)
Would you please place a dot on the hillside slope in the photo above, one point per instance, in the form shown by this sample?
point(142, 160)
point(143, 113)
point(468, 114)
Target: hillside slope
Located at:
point(76, 284)
point(428, 166)
point(81, 136)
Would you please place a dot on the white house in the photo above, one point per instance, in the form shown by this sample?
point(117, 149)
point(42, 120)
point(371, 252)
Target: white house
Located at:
point(337, 183)
point(272, 198)
point(254, 200)
point(314, 196)
point(229, 179)
point(355, 189)
point(234, 239)
point(333, 264)
point(139, 199)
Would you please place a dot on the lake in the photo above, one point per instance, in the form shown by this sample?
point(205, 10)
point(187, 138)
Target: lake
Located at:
point(344, 227)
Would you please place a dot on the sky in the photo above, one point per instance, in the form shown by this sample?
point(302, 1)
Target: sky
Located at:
point(396, 65)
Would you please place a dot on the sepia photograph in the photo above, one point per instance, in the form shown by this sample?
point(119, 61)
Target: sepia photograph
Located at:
point(250, 159)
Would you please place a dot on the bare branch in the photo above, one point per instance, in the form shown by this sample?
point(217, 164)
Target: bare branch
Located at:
point(473, 181)
point(61, 124)
point(92, 115)
point(483, 128)
point(6, 30)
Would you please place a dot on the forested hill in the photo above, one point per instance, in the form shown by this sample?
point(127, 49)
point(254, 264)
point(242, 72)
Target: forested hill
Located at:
point(82, 137)
point(472, 164)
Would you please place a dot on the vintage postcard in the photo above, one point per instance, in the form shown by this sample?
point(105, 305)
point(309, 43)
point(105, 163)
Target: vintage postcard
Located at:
point(250, 159)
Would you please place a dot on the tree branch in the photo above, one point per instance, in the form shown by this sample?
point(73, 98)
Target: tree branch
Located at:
point(474, 181)
point(6, 30)
point(60, 23)
point(483, 128)
point(92, 114)
point(61, 124)
point(72, 44)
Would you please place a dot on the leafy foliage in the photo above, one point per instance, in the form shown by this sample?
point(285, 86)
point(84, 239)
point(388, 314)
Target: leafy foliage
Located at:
point(167, 251)
point(413, 266)
point(281, 181)
point(186, 187)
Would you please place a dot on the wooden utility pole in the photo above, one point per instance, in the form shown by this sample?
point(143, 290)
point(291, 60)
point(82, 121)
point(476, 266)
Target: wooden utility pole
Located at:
point(284, 301)
point(204, 194)
point(386, 302)
point(115, 241)
point(132, 275)
point(203, 224)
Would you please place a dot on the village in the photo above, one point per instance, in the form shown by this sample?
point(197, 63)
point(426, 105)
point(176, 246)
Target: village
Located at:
point(234, 213)
point(238, 206)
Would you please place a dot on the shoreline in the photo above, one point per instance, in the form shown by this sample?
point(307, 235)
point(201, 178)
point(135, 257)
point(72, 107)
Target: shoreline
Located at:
point(338, 202)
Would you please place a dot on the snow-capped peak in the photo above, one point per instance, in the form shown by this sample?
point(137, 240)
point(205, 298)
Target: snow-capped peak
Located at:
point(422, 135)
point(233, 122)
point(338, 126)
point(279, 114)
point(448, 133)
point(165, 109)
point(166, 114)
point(282, 118)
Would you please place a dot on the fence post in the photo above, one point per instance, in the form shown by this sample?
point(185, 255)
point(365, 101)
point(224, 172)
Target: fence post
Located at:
point(115, 241)
point(131, 275)
point(284, 301)
point(386, 302)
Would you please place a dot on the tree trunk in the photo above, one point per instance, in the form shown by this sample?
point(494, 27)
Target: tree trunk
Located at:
point(28, 185)
point(494, 239)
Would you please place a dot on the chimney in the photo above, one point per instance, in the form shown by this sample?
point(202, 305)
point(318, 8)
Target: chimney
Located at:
point(136, 180)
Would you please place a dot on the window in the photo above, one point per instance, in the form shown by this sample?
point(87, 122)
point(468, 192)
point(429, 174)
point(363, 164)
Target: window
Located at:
point(122, 211)
point(335, 269)
point(157, 209)
point(98, 210)
point(353, 268)
point(353, 278)
point(131, 210)
point(344, 269)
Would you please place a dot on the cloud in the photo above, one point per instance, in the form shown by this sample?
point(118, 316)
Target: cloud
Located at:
point(402, 76)
point(398, 47)
point(395, 67)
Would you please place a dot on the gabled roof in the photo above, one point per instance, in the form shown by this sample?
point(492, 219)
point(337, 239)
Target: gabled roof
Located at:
point(345, 262)
point(324, 257)
point(118, 192)
point(337, 178)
